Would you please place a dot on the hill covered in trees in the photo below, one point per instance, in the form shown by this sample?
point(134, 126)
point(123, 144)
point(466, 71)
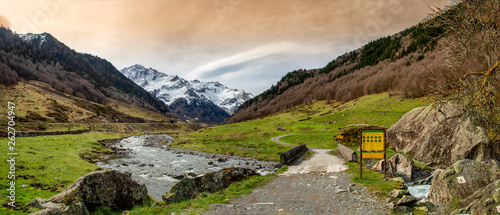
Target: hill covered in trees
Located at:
point(407, 63)
point(43, 58)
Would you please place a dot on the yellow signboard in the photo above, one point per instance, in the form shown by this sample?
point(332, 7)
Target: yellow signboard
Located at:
point(373, 143)
point(373, 155)
point(373, 140)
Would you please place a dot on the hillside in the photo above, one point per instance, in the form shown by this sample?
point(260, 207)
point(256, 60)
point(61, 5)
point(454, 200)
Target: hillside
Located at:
point(399, 64)
point(40, 108)
point(43, 58)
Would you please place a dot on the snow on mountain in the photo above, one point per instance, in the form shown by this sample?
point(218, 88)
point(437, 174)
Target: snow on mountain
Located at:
point(170, 88)
point(30, 37)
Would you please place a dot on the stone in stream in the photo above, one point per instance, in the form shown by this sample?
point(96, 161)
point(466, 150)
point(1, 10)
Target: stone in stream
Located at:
point(189, 188)
point(398, 193)
point(406, 200)
point(398, 165)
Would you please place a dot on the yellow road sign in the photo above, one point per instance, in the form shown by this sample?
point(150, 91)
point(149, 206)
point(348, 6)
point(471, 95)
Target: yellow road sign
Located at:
point(373, 140)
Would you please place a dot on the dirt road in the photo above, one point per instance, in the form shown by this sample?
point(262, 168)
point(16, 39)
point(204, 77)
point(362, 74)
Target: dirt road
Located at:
point(317, 185)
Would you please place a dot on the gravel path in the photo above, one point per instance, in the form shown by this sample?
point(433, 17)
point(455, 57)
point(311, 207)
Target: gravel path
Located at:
point(313, 186)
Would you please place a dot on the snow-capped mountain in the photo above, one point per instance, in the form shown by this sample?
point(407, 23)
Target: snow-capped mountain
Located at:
point(174, 90)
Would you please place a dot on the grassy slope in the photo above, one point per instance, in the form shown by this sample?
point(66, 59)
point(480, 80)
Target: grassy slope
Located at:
point(315, 124)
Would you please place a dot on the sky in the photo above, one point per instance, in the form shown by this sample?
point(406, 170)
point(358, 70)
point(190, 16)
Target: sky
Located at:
point(243, 44)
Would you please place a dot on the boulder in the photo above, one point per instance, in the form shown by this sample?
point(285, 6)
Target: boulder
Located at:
point(406, 200)
point(398, 165)
point(104, 188)
point(398, 193)
point(76, 208)
point(484, 201)
point(189, 188)
point(477, 175)
point(49, 208)
point(429, 136)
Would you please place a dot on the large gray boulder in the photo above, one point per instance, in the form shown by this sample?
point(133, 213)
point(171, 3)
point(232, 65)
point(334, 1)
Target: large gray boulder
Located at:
point(477, 175)
point(189, 188)
point(398, 165)
point(483, 201)
point(429, 136)
point(104, 188)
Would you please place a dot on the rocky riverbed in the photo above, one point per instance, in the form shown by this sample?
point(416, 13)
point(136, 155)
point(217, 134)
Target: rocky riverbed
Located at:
point(160, 167)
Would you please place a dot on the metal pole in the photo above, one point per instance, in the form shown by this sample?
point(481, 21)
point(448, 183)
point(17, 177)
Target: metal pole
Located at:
point(385, 156)
point(361, 153)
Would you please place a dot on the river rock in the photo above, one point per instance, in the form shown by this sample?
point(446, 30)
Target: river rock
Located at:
point(398, 193)
point(428, 136)
point(104, 188)
point(398, 165)
point(445, 185)
point(406, 200)
point(189, 188)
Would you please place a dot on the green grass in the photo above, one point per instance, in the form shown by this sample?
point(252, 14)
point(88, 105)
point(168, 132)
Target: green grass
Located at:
point(374, 181)
point(315, 125)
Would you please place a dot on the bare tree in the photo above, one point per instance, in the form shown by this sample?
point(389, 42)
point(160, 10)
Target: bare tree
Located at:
point(473, 47)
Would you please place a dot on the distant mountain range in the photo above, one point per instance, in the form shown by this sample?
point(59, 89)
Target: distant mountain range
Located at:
point(208, 102)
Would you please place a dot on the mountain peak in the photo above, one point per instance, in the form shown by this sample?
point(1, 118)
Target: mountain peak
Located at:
point(172, 88)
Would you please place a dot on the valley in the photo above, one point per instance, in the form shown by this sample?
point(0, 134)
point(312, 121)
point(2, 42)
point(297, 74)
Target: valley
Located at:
point(80, 136)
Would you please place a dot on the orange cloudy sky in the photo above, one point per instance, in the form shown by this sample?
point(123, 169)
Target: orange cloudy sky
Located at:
point(244, 44)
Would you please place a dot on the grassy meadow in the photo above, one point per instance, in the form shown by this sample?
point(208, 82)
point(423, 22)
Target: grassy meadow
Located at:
point(48, 164)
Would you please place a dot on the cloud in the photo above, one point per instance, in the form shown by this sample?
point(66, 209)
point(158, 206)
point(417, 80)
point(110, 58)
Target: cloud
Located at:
point(236, 62)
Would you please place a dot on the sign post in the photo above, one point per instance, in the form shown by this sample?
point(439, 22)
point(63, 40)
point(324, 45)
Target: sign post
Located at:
point(373, 142)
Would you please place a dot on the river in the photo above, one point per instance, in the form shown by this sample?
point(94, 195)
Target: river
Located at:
point(152, 163)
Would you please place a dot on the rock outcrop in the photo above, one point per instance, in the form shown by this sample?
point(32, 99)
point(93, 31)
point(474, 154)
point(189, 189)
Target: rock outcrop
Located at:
point(189, 188)
point(429, 136)
point(398, 165)
point(100, 188)
point(479, 188)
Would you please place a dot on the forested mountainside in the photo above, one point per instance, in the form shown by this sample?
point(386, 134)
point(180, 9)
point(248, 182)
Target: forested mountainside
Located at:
point(405, 63)
point(43, 58)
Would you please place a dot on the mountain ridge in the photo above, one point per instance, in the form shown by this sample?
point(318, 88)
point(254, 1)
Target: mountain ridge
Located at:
point(41, 57)
point(179, 93)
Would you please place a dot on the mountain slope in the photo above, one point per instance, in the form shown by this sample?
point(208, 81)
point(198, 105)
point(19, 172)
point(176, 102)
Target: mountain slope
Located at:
point(43, 58)
point(209, 102)
point(399, 64)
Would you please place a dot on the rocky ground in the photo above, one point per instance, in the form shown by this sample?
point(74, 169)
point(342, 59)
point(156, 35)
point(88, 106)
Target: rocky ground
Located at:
point(316, 185)
point(314, 193)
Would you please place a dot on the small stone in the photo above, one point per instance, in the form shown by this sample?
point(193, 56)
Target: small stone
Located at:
point(398, 193)
point(24, 185)
point(406, 200)
point(398, 179)
point(340, 191)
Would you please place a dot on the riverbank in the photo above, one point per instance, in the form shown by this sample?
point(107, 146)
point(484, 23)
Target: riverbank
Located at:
point(151, 162)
